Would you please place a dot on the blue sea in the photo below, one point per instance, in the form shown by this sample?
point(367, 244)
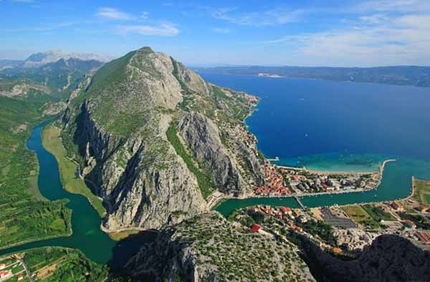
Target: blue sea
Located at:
point(339, 126)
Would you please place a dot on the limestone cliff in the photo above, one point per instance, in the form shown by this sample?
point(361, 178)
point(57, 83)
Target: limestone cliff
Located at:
point(154, 140)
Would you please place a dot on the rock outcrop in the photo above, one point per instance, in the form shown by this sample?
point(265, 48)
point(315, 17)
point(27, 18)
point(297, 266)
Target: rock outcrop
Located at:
point(210, 248)
point(202, 137)
point(118, 128)
point(390, 258)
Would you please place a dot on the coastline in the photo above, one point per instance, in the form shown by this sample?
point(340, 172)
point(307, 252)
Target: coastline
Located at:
point(380, 170)
point(216, 202)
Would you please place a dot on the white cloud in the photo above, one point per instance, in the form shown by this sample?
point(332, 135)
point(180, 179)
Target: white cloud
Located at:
point(272, 17)
point(402, 6)
point(403, 39)
point(144, 15)
point(165, 29)
point(113, 14)
point(221, 30)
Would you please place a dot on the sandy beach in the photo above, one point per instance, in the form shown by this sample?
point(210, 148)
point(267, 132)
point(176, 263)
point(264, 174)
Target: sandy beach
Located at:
point(381, 169)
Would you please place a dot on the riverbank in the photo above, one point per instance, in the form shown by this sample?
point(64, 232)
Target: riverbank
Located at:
point(86, 234)
point(65, 235)
point(68, 169)
point(121, 233)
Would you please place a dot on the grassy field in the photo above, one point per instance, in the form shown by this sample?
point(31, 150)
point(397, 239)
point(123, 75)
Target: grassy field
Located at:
point(422, 191)
point(377, 213)
point(68, 169)
point(63, 264)
point(24, 215)
point(360, 215)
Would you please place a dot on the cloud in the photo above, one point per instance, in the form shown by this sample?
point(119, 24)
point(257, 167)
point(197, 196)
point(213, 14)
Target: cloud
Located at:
point(221, 30)
point(272, 17)
point(113, 14)
point(377, 39)
point(45, 27)
point(165, 29)
point(402, 6)
point(144, 15)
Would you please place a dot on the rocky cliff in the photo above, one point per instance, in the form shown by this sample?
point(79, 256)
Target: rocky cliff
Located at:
point(390, 258)
point(210, 248)
point(154, 140)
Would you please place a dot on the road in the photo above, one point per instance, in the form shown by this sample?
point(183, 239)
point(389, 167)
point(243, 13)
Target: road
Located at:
point(26, 270)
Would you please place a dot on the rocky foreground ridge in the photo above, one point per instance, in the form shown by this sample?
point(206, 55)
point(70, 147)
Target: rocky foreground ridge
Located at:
point(210, 248)
point(390, 258)
point(155, 140)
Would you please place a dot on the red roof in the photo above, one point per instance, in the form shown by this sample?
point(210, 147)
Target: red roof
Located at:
point(285, 209)
point(255, 228)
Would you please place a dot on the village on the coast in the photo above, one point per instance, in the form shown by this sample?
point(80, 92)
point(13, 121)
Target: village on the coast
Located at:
point(286, 181)
point(341, 230)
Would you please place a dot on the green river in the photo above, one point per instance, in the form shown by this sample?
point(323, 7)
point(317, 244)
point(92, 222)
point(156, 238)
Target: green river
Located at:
point(96, 245)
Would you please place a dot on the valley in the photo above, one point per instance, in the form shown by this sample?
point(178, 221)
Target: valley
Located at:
point(143, 147)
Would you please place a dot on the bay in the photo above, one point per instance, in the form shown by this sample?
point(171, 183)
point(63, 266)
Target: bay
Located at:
point(318, 124)
point(338, 126)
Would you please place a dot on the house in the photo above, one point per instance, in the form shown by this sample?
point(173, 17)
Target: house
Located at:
point(409, 223)
point(423, 208)
point(285, 210)
point(303, 219)
point(397, 207)
point(424, 237)
point(5, 274)
point(255, 228)
point(2, 266)
point(19, 277)
point(337, 250)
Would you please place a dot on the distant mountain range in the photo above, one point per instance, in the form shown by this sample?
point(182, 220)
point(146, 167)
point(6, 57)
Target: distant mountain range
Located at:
point(38, 59)
point(56, 73)
point(52, 56)
point(399, 75)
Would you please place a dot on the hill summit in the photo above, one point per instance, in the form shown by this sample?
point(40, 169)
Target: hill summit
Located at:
point(156, 141)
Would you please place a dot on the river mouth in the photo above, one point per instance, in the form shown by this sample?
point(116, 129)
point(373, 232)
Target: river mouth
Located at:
point(97, 246)
point(396, 184)
point(334, 126)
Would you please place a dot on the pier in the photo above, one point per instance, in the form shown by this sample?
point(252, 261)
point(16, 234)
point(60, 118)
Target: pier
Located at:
point(276, 159)
point(300, 202)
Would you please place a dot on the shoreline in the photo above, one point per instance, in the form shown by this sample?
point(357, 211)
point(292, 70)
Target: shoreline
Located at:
point(70, 233)
point(317, 171)
point(380, 171)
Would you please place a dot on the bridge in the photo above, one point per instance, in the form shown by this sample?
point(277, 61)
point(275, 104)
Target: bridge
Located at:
point(300, 202)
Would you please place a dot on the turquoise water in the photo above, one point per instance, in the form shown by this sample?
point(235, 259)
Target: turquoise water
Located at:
point(343, 127)
point(87, 235)
point(337, 162)
point(336, 126)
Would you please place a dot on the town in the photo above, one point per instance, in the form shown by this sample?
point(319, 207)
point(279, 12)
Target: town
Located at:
point(285, 181)
point(345, 230)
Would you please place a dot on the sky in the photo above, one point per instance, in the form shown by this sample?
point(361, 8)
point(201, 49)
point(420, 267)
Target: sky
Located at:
point(210, 33)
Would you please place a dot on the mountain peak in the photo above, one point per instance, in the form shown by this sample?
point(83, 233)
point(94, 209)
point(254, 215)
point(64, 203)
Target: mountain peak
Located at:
point(51, 56)
point(145, 49)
